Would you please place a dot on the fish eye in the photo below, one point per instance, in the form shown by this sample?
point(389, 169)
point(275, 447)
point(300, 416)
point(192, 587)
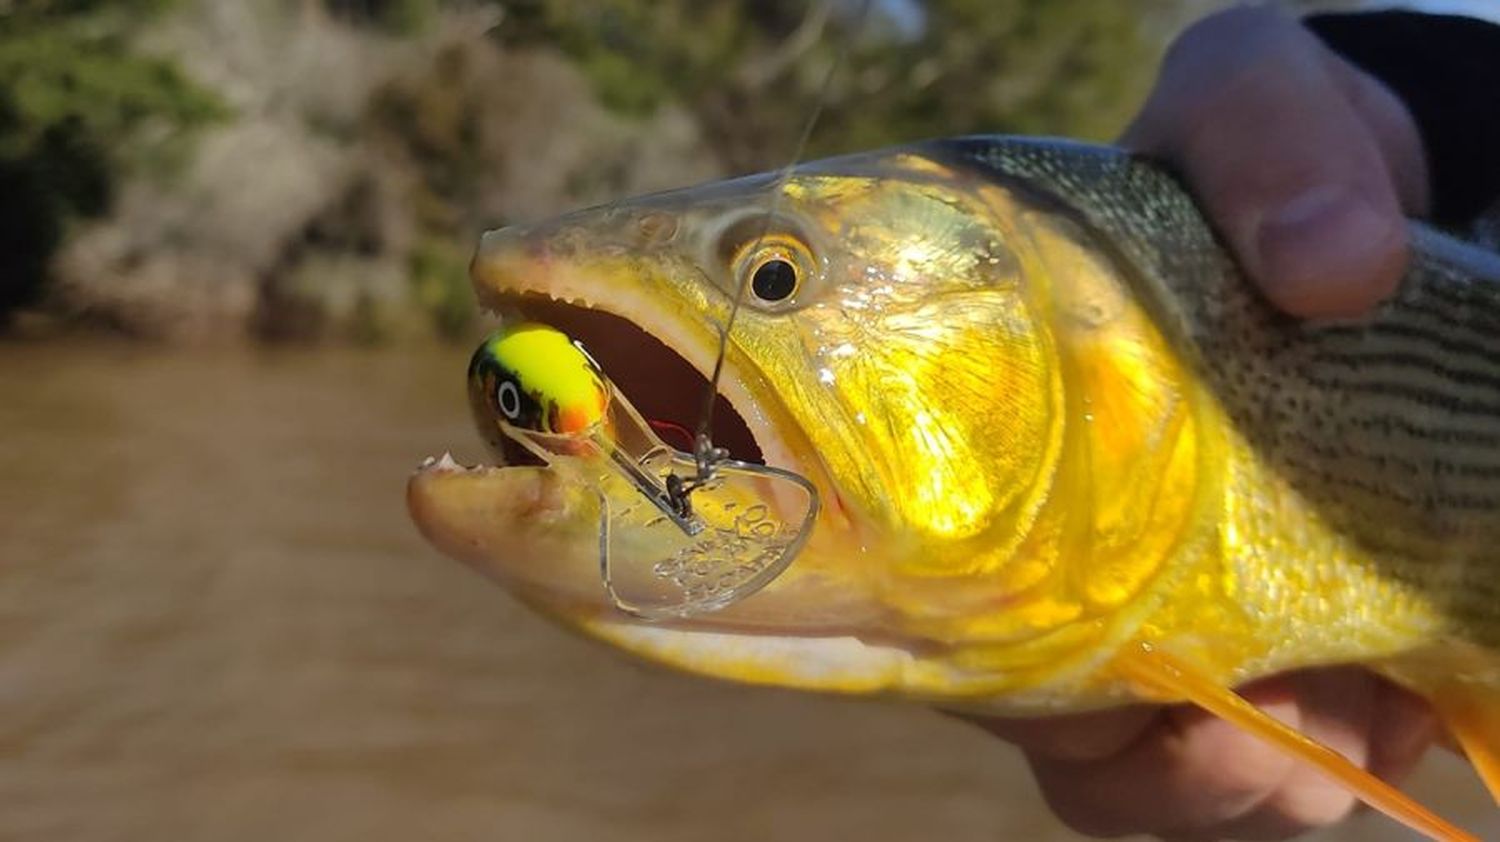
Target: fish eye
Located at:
point(774, 268)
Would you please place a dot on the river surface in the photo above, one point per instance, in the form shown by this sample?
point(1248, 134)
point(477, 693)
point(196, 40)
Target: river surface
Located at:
point(217, 624)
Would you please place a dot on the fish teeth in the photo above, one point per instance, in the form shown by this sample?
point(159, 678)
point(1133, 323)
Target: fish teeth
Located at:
point(442, 464)
point(523, 294)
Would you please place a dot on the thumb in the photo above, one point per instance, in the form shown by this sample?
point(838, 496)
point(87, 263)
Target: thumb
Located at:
point(1304, 162)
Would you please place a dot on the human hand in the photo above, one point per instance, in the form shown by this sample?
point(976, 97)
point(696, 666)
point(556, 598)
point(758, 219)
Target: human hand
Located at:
point(1305, 163)
point(1307, 166)
point(1183, 774)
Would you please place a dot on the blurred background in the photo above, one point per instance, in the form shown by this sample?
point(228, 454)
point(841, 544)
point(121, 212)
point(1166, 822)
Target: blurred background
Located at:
point(234, 314)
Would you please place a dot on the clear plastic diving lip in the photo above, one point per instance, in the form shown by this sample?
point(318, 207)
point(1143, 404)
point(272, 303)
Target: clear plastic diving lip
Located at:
point(660, 559)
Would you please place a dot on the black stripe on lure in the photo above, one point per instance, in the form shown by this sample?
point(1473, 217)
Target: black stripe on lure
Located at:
point(663, 552)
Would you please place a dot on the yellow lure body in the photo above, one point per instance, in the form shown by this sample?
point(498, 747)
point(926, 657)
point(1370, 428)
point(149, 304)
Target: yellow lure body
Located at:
point(539, 379)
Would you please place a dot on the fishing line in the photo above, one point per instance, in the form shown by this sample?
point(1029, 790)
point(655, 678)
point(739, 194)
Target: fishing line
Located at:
point(705, 454)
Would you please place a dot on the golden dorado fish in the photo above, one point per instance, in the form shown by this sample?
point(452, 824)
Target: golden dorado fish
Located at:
point(1067, 458)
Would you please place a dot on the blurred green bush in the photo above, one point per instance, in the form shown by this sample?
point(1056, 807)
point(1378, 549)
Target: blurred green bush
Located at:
point(415, 124)
point(398, 17)
point(74, 107)
point(753, 72)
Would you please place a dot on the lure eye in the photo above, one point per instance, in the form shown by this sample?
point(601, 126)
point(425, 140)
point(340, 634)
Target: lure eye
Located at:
point(508, 397)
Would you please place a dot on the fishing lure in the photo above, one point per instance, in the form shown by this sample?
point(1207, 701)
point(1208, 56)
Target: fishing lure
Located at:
point(728, 527)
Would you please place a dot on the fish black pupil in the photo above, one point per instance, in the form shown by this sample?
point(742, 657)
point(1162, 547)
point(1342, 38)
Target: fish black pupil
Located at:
point(774, 280)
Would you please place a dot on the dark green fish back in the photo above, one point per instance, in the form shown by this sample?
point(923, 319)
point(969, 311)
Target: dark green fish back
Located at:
point(1486, 231)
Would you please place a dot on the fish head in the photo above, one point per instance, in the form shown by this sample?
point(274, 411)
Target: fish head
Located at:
point(888, 333)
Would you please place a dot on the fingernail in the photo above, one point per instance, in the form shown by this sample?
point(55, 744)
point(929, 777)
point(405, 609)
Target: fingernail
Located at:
point(1326, 251)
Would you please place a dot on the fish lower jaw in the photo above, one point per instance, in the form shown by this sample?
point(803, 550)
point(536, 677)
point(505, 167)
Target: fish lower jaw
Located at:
point(828, 664)
point(845, 664)
point(537, 537)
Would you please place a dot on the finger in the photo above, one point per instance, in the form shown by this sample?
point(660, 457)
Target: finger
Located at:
point(1368, 720)
point(1405, 728)
point(1392, 127)
point(1264, 127)
point(1190, 773)
point(1074, 738)
point(1339, 708)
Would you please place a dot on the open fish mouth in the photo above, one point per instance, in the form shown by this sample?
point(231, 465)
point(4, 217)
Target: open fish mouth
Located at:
point(682, 530)
point(657, 354)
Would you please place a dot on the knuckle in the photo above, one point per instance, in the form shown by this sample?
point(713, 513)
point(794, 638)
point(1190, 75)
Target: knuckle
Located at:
point(1305, 808)
point(1240, 769)
point(1249, 777)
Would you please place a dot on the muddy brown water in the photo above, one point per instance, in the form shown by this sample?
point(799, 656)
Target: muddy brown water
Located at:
point(217, 624)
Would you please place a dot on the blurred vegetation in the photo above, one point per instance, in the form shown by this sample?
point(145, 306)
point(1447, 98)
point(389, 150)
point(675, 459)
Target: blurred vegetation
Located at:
point(399, 17)
point(73, 115)
point(455, 115)
point(438, 274)
point(753, 72)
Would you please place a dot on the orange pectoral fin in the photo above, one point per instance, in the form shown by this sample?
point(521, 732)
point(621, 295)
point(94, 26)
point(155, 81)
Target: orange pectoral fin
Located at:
point(1472, 716)
point(1158, 675)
